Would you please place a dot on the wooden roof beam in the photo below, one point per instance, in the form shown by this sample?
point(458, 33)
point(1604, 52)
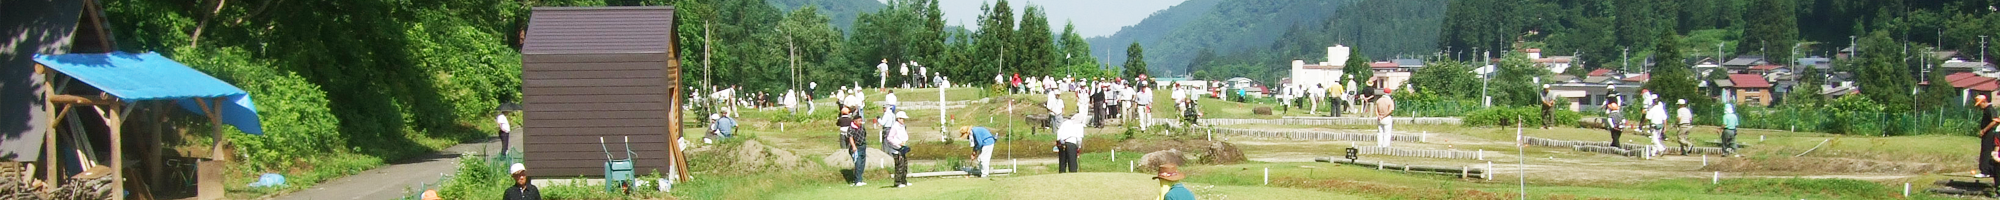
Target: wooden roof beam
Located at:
point(101, 100)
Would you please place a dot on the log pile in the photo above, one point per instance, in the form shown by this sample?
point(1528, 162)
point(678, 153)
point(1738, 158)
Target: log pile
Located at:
point(14, 186)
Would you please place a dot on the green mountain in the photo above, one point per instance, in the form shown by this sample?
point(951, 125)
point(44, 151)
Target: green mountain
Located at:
point(842, 12)
point(1225, 26)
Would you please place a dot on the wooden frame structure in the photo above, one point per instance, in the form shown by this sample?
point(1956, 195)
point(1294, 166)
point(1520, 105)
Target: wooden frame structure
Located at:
point(115, 113)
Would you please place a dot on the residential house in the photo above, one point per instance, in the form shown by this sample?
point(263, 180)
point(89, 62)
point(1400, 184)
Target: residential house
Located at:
point(1750, 89)
point(1741, 63)
point(1322, 73)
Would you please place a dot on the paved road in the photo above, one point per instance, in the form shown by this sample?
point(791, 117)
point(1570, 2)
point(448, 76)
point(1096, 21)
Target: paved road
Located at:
point(390, 181)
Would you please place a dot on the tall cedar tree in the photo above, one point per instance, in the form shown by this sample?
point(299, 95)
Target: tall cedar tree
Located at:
point(1035, 49)
point(1357, 67)
point(1135, 60)
point(995, 36)
point(1884, 77)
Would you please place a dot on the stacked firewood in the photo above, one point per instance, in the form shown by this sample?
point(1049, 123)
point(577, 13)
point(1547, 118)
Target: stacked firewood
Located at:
point(14, 186)
point(80, 188)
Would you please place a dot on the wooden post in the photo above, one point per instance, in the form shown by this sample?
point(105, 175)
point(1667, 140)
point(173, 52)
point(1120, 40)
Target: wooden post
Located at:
point(116, 122)
point(154, 169)
point(49, 136)
point(209, 172)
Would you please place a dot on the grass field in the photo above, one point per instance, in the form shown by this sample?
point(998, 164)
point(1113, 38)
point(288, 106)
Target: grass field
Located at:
point(1845, 167)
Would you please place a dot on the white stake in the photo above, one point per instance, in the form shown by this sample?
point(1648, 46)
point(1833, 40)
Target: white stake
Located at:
point(1704, 160)
point(1267, 176)
point(1114, 155)
point(1717, 179)
point(1906, 189)
point(1131, 166)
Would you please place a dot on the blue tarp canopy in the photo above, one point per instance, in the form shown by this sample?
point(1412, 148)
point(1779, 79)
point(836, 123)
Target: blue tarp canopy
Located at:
point(149, 76)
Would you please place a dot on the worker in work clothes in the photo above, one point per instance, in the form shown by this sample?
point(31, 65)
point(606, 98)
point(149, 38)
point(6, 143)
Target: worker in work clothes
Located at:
point(1069, 142)
point(1686, 117)
point(506, 129)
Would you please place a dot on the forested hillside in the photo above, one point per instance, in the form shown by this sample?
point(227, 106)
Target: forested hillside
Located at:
point(842, 12)
point(1228, 27)
point(1151, 29)
point(1377, 29)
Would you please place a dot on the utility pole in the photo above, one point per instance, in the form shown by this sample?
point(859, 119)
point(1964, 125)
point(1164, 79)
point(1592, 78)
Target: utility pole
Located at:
point(791, 53)
point(1626, 60)
point(1982, 49)
point(706, 33)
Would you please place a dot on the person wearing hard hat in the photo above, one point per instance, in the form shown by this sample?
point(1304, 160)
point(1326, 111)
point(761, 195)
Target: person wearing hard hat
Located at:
point(1170, 183)
point(521, 189)
point(1656, 116)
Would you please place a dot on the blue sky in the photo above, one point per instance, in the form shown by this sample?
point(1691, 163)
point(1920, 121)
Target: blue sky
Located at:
point(1092, 17)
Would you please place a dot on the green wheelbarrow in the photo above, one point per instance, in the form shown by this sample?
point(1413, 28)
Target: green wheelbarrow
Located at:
point(618, 175)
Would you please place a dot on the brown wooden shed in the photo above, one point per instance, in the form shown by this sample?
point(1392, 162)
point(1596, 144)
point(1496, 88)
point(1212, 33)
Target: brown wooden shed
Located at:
point(590, 72)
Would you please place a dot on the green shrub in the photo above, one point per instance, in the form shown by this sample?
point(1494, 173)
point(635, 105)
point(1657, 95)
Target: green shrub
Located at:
point(1526, 116)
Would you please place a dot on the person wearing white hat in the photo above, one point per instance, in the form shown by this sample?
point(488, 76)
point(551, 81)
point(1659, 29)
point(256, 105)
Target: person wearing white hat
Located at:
point(1656, 116)
point(521, 189)
point(895, 140)
point(1686, 117)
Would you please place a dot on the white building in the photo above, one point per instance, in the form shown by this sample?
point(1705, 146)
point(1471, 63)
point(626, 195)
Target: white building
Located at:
point(1322, 73)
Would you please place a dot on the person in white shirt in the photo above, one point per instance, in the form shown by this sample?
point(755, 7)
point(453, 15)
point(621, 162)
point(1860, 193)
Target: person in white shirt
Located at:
point(882, 74)
point(1656, 114)
point(1686, 117)
point(1317, 93)
point(1055, 104)
point(890, 99)
point(506, 130)
point(905, 71)
point(1069, 142)
point(1145, 108)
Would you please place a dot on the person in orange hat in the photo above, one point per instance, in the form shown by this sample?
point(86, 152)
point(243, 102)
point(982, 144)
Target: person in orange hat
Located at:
point(1170, 183)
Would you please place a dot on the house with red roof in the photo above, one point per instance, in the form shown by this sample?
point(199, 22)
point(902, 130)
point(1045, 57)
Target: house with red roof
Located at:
point(1750, 89)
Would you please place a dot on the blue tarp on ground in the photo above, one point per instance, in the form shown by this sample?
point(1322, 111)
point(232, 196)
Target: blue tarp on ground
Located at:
point(149, 76)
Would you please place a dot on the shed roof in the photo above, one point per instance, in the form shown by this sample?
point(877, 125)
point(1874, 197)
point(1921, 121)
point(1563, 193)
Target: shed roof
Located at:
point(599, 30)
point(149, 76)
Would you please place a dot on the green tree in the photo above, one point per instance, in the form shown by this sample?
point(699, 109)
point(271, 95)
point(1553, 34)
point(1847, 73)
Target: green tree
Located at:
point(1672, 78)
point(1449, 78)
point(995, 38)
point(1135, 61)
point(1884, 77)
point(1357, 67)
point(1036, 52)
point(1772, 29)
